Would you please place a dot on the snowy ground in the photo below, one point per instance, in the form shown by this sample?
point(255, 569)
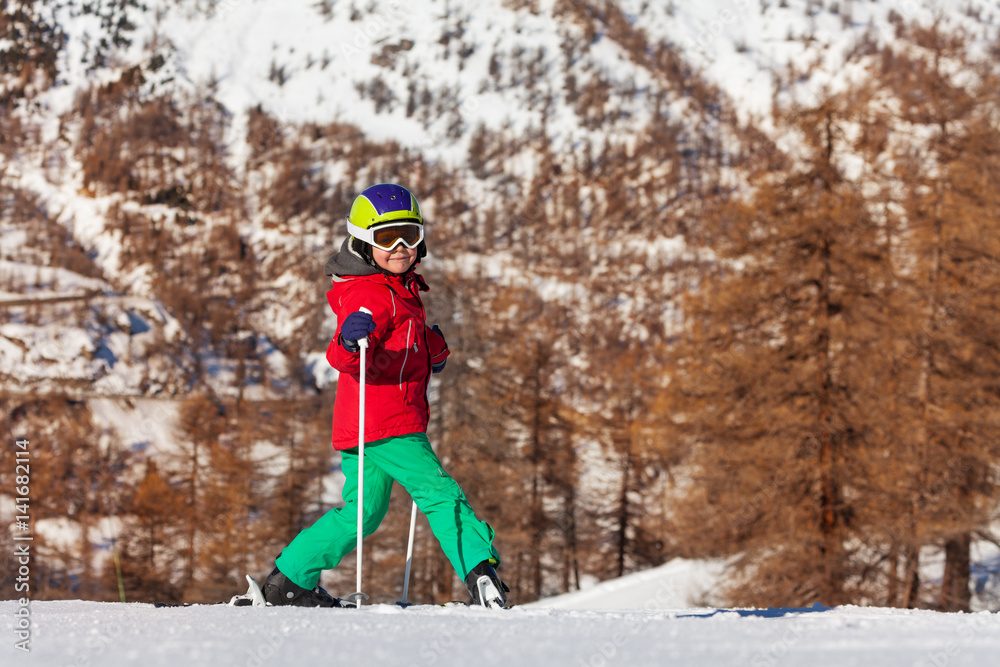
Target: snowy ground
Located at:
point(647, 618)
point(93, 633)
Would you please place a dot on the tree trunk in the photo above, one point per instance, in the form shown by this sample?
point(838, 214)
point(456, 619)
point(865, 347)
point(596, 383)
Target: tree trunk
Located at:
point(573, 544)
point(537, 510)
point(623, 509)
point(192, 519)
point(911, 577)
point(830, 488)
point(955, 595)
point(892, 587)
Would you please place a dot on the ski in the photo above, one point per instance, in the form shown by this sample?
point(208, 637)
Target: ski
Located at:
point(254, 597)
point(243, 601)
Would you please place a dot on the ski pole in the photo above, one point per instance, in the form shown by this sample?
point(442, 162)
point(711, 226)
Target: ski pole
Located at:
point(413, 525)
point(409, 555)
point(358, 596)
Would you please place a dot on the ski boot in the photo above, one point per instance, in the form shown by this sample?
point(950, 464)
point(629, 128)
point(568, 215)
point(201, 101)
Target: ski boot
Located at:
point(280, 590)
point(485, 586)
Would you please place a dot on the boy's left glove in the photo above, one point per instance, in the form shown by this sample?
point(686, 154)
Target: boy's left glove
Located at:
point(439, 366)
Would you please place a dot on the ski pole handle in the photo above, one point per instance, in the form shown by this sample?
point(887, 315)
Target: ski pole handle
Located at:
point(363, 342)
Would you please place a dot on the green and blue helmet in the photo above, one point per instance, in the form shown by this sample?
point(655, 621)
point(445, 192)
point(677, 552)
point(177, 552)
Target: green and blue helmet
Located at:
point(385, 215)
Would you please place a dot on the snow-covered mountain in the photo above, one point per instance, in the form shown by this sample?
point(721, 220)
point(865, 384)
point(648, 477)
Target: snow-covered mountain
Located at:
point(450, 83)
point(307, 61)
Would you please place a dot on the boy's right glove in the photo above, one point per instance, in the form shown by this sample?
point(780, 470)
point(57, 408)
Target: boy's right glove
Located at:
point(439, 366)
point(356, 326)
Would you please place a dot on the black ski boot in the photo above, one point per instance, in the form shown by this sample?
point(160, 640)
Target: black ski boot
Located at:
point(485, 586)
point(280, 590)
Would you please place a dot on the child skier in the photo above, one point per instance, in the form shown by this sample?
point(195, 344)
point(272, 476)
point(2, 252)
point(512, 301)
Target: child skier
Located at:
point(374, 271)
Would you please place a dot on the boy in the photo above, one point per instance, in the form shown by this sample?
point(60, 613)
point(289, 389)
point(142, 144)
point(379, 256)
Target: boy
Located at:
point(374, 271)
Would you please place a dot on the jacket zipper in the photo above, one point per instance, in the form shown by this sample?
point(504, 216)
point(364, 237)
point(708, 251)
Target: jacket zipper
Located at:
point(409, 329)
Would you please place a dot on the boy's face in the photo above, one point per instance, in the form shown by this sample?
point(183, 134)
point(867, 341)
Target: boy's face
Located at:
point(397, 260)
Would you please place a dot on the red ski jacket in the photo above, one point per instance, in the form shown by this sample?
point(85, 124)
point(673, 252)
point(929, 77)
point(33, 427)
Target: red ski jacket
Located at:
point(398, 360)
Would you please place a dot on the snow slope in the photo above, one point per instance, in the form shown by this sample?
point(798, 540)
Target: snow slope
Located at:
point(678, 583)
point(641, 619)
point(93, 633)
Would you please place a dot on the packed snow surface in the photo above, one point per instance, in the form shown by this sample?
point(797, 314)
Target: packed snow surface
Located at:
point(102, 633)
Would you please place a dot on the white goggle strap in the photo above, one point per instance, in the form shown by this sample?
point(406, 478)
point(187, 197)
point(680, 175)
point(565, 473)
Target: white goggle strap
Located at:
point(365, 235)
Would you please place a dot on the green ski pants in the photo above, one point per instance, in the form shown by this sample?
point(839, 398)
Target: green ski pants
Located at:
point(409, 460)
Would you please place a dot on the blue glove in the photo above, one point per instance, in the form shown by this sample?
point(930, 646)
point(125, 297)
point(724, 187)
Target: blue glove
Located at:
point(356, 326)
point(439, 366)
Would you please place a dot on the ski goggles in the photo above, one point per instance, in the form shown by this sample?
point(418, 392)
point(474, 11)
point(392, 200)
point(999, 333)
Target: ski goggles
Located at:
point(387, 237)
